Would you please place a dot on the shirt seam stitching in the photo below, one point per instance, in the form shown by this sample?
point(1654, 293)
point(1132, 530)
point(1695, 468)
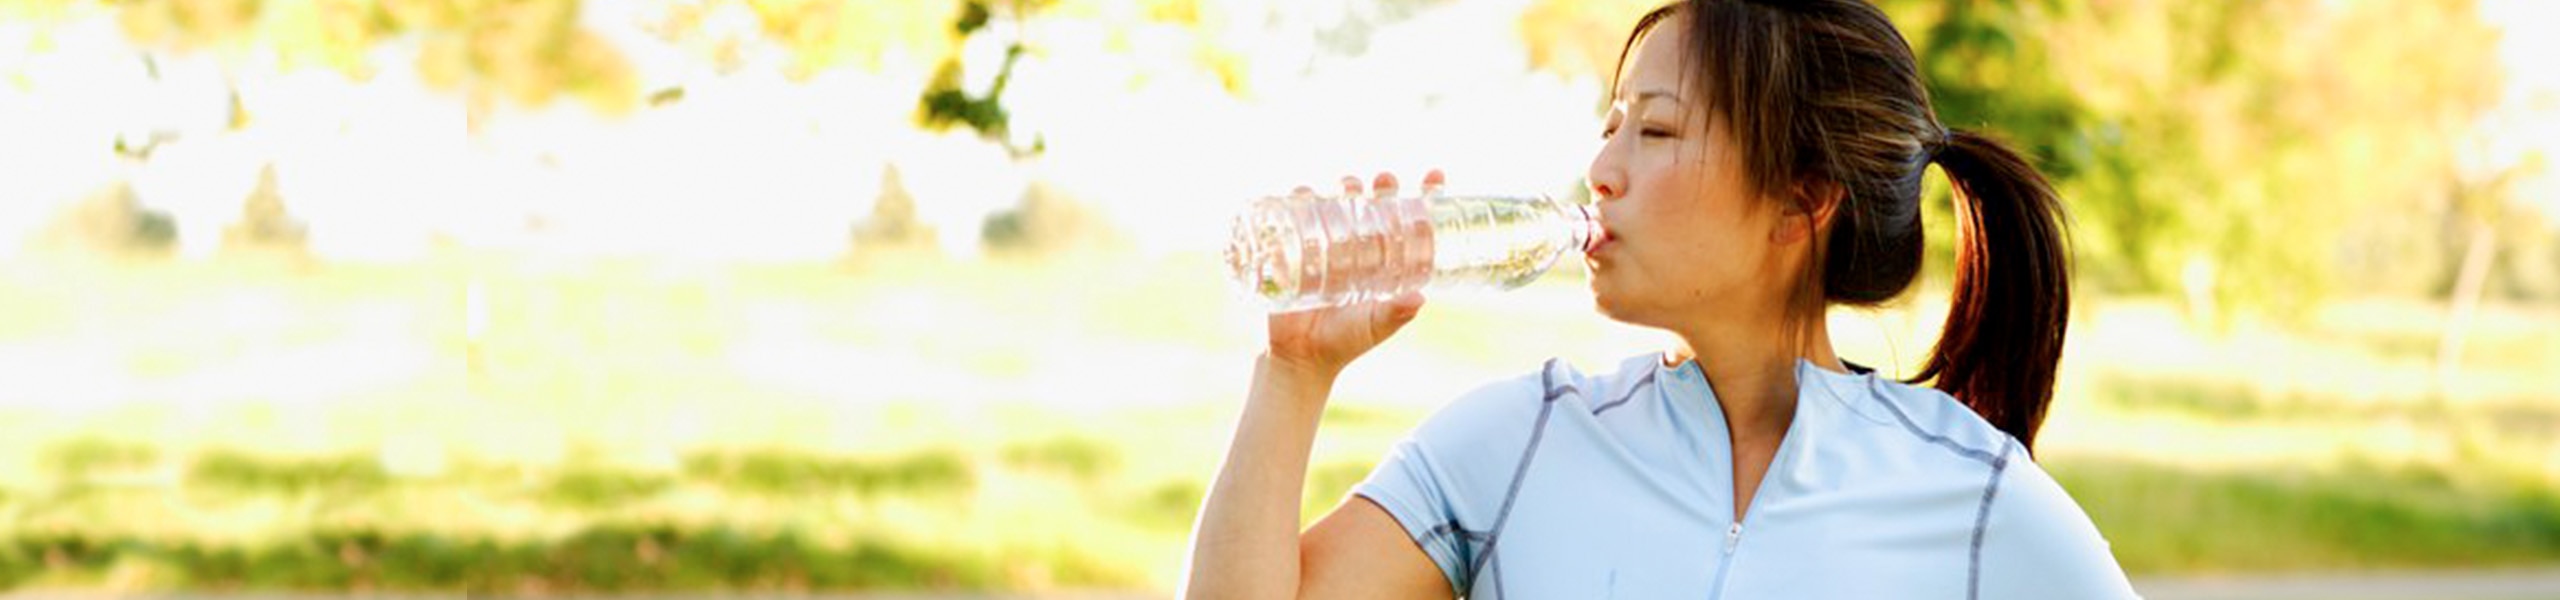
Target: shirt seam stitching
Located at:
point(1982, 521)
point(1502, 516)
point(1932, 438)
point(1630, 395)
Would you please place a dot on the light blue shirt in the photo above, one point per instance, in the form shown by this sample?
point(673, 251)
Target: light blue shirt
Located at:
point(1561, 485)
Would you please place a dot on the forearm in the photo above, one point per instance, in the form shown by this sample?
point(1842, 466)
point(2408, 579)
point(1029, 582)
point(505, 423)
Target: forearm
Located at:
point(1246, 543)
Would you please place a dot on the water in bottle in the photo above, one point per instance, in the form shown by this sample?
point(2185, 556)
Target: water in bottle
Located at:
point(1304, 252)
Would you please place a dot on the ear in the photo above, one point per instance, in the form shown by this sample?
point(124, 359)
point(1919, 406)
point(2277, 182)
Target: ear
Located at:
point(1807, 211)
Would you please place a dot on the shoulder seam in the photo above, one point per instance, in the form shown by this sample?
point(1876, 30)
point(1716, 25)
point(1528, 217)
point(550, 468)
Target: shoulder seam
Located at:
point(1639, 385)
point(1940, 440)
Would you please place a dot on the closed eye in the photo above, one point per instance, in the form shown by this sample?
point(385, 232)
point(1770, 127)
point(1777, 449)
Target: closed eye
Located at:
point(1650, 132)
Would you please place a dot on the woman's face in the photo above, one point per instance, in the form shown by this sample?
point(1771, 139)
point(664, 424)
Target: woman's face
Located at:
point(1686, 237)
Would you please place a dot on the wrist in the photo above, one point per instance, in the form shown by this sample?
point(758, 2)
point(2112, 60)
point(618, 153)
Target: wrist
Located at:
point(1297, 376)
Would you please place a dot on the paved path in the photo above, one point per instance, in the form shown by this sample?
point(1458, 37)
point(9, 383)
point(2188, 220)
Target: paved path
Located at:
point(2470, 585)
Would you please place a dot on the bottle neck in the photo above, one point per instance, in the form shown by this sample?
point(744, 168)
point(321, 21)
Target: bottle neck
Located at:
point(1582, 224)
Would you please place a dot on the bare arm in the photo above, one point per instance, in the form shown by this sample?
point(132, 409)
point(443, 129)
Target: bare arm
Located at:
point(1359, 551)
point(1247, 543)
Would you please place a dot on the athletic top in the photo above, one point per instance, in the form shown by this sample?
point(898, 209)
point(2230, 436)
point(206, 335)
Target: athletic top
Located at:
point(1559, 484)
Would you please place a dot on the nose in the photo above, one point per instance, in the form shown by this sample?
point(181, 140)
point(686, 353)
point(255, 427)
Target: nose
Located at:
point(1607, 175)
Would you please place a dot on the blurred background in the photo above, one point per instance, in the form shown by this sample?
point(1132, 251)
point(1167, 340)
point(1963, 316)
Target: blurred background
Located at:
point(542, 297)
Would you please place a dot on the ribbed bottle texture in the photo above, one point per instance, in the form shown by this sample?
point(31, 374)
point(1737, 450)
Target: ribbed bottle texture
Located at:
point(1299, 253)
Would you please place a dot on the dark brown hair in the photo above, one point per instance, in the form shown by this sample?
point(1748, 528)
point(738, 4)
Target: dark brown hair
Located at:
point(1825, 93)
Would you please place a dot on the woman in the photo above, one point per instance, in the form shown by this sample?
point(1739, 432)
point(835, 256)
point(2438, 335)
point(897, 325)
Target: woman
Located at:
point(1762, 163)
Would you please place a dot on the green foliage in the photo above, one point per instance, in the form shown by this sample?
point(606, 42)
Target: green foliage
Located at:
point(2236, 147)
point(523, 51)
point(973, 16)
point(946, 104)
point(2254, 155)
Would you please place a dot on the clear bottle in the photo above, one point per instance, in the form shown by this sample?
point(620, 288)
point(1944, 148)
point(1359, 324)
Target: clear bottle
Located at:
point(1298, 253)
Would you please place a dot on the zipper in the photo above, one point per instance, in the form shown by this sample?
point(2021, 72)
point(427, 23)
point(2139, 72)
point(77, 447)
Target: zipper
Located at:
point(1732, 540)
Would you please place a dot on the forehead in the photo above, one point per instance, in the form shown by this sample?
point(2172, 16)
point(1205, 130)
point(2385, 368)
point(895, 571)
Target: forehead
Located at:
point(1654, 64)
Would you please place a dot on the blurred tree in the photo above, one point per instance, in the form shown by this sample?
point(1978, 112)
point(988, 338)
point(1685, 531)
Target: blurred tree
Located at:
point(947, 104)
point(523, 51)
point(1579, 37)
point(1985, 72)
point(873, 36)
point(530, 52)
point(892, 225)
point(1047, 221)
point(110, 222)
point(265, 226)
point(1350, 35)
point(2266, 153)
point(189, 23)
point(2295, 147)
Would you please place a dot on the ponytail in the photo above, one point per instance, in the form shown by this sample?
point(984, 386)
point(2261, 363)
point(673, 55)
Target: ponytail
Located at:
point(2003, 337)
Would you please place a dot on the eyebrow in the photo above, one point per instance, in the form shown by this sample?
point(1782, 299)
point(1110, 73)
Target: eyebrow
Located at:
point(1645, 96)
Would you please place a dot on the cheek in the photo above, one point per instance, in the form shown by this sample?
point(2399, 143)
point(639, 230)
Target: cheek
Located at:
point(1702, 246)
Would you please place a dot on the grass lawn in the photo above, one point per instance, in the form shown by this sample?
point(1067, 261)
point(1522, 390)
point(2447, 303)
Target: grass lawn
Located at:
point(526, 426)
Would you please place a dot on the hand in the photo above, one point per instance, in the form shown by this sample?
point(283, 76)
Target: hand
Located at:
point(1322, 341)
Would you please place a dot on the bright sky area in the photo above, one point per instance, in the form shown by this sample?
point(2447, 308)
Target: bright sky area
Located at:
point(750, 164)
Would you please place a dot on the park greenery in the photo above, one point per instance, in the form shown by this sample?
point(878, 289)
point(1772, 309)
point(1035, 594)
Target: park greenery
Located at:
point(2273, 204)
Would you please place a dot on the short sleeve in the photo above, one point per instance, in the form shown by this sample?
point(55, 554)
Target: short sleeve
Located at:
point(2037, 543)
point(1444, 482)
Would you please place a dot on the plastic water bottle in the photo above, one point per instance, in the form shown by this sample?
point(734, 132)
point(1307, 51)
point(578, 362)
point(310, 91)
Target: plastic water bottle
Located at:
point(1304, 252)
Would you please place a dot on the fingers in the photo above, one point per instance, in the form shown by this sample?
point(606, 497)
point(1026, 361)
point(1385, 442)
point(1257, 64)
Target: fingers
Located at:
point(1384, 187)
point(1388, 317)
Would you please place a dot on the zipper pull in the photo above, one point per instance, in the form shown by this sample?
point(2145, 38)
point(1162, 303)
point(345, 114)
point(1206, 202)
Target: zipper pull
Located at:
point(1732, 537)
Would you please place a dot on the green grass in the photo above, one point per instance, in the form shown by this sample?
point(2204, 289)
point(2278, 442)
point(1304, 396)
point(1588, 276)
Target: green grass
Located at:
point(820, 522)
point(601, 558)
point(824, 522)
point(2166, 519)
point(785, 473)
point(1001, 426)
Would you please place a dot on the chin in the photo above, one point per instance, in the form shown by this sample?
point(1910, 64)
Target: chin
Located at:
point(1607, 311)
point(1608, 304)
